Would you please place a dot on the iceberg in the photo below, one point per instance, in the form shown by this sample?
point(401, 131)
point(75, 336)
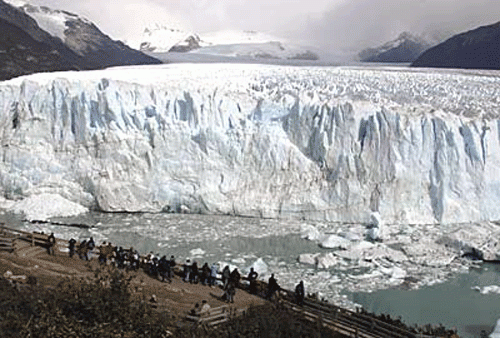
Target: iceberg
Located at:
point(496, 331)
point(315, 143)
point(45, 206)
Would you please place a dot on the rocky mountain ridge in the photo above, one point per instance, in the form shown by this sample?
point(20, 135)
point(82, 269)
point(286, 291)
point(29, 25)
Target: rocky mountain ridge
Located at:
point(476, 49)
point(405, 48)
point(53, 40)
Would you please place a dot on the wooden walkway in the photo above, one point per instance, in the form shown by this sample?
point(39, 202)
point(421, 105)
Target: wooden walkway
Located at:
point(341, 320)
point(346, 322)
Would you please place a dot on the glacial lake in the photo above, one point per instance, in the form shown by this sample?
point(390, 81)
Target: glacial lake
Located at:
point(242, 241)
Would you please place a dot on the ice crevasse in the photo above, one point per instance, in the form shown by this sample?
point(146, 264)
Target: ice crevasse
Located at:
point(332, 143)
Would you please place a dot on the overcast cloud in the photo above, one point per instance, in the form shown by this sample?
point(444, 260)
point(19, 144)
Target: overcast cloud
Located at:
point(329, 24)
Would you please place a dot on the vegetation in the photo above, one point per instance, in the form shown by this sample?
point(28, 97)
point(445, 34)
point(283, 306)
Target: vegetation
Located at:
point(104, 306)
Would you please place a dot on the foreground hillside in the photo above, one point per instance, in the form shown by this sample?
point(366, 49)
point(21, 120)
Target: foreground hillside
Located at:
point(476, 49)
point(57, 296)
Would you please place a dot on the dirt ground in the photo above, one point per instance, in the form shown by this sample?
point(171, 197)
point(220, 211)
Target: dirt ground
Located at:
point(177, 298)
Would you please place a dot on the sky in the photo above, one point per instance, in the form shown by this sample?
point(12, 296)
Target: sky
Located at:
point(330, 25)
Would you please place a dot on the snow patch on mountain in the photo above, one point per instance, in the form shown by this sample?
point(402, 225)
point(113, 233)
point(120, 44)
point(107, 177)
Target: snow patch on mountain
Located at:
point(162, 39)
point(51, 21)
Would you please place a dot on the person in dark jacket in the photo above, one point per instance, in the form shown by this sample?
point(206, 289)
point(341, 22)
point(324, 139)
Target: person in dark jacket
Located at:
point(299, 293)
point(226, 273)
point(51, 243)
point(272, 287)
point(187, 270)
point(71, 247)
point(194, 276)
point(205, 274)
point(234, 277)
point(252, 278)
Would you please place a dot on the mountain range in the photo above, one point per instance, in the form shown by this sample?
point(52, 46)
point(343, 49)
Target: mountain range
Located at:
point(405, 48)
point(39, 39)
point(478, 48)
point(159, 39)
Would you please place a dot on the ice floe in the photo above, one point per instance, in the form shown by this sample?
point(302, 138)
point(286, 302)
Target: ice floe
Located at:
point(45, 206)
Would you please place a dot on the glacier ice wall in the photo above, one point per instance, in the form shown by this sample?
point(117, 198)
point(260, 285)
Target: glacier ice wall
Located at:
point(268, 141)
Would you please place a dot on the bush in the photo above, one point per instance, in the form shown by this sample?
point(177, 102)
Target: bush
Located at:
point(102, 307)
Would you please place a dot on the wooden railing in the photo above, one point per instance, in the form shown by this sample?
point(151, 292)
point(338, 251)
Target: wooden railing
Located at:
point(345, 321)
point(215, 316)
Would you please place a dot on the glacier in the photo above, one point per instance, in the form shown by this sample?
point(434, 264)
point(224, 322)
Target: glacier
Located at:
point(318, 143)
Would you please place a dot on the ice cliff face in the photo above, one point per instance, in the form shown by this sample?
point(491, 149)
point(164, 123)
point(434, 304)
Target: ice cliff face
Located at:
point(253, 140)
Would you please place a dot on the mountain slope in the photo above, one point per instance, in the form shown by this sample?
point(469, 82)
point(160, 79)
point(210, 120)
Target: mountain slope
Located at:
point(20, 54)
point(406, 48)
point(85, 39)
point(478, 48)
point(38, 39)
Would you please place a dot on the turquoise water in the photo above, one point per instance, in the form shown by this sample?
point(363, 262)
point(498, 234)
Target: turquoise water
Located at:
point(453, 303)
point(241, 241)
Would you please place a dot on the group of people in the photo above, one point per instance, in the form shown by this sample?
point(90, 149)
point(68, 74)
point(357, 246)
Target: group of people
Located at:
point(163, 269)
point(83, 249)
point(130, 259)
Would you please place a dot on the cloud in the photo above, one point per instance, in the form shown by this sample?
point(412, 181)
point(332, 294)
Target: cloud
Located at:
point(361, 23)
point(333, 25)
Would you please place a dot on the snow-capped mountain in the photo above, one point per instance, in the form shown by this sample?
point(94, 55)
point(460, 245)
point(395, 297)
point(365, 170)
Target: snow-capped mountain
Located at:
point(405, 48)
point(320, 143)
point(231, 43)
point(69, 42)
point(478, 48)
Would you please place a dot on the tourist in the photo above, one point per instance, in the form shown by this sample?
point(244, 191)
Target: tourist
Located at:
point(205, 274)
point(205, 307)
point(103, 253)
point(187, 270)
point(272, 287)
point(194, 276)
point(225, 276)
point(231, 291)
point(234, 277)
point(300, 293)
point(83, 250)
point(172, 266)
point(51, 243)
point(252, 278)
point(213, 274)
point(71, 247)
point(164, 269)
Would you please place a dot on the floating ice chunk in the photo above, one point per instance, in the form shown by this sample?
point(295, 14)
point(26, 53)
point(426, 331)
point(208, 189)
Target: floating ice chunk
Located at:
point(368, 251)
point(375, 227)
point(487, 289)
point(45, 206)
point(374, 233)
point(324, 275)
point(326, 261)
point(238, 260)
point(197, 252)
point(351, 236)
point(375, 219)
point(307, 258)
point(398, 273)
point(310, 232)
point(334, 242)
point(260, 267)
point(496, 331)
